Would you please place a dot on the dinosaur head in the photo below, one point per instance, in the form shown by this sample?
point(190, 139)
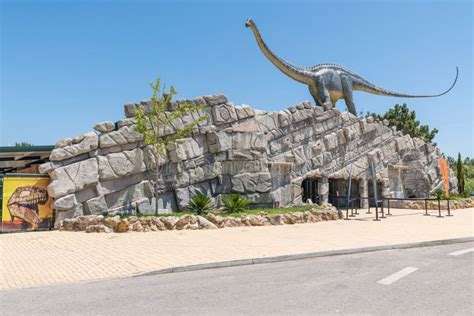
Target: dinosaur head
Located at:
point(249, 23)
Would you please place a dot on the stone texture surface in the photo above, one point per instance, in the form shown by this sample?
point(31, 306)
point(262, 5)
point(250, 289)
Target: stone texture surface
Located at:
point(101, 224)
point(262, 155)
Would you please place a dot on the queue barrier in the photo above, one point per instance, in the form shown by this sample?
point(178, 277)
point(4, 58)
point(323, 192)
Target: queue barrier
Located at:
point(352, 204)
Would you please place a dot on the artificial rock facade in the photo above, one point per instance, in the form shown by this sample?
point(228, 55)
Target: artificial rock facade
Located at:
point(262, 155)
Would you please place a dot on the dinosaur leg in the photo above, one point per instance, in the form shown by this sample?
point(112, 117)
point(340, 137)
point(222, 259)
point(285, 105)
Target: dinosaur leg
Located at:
point(347, 92)
point(324, 97)
point(314, 94)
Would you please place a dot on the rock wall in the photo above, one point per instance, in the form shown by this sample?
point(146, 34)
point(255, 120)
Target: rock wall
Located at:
point(262, 155)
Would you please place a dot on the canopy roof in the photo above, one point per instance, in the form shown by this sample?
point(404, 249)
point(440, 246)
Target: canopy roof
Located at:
point(13, 158)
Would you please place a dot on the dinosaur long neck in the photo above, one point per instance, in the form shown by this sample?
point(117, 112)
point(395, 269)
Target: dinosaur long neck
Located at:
point(288, 69)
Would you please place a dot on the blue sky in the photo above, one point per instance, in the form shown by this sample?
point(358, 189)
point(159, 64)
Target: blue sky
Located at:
point(66, 65)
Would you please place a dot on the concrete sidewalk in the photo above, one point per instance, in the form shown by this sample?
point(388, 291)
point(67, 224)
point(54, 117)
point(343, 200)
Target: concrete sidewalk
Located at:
point(48, 258)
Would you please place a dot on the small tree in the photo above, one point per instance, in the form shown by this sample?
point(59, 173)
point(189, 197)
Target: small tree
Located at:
point(152, 122)
point(460, 174)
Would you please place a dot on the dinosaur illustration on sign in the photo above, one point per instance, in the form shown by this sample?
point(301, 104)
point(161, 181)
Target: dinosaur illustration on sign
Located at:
point(329, 83)
point(24, 204)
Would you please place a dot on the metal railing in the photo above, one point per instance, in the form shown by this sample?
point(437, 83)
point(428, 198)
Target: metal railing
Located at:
point(353, 204)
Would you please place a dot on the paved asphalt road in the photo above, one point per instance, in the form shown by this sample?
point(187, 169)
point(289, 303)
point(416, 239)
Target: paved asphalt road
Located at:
point(414, 281)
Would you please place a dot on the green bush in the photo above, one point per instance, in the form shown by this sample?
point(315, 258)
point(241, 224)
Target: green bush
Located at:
point(200, 204)
point(235, 203)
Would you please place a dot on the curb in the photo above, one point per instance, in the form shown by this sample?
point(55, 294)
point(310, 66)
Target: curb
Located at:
point(244, 262)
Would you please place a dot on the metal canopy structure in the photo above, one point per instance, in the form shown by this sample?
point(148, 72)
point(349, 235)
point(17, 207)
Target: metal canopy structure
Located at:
point(14, 158)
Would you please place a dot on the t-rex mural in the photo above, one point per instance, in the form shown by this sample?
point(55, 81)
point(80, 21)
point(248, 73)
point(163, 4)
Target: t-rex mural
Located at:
point(329, 82)
point(24, 204)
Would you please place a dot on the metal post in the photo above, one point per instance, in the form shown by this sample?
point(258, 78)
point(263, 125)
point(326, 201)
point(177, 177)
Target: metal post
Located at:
point(439, 207)
point(426, 208)
point(349, 204)
point(376, 211)
point(374, 186)
point(449, 210)
point(347, 213)
point(388, 205)
point(383, 213)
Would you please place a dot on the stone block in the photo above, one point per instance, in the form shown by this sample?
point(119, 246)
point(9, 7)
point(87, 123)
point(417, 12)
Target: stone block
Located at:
point(245, 126)
point(105, 127)
point(247, 182)
point(65, 203)
point(117, 165)
point(74, 177)
point(96, 205)
point(341, 138)
point(182, 198)
point(166, 201)
point(84, 143)
point(224, 113)
point(330, 141)
point(130, 194)
point(215, 99)
point(111, 139)
point(63, 142)
point(284, 118)
point(203, 188)
point(267, 121)
point(219, 141)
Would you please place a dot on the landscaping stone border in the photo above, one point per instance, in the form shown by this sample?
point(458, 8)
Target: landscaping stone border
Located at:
point(103, 224)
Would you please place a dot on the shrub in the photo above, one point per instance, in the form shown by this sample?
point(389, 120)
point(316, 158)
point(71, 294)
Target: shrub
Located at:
point(235, 203)
point(200, 204)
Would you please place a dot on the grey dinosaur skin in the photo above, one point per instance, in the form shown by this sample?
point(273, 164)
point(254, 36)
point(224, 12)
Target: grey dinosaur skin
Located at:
point(329, 82)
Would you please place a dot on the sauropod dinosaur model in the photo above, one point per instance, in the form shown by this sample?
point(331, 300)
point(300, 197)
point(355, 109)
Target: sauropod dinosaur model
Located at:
point(329, 82)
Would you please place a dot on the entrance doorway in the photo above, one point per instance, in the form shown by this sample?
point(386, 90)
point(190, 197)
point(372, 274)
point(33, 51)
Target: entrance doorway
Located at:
point(338, 192)
point(310, 190)
point(371, 192)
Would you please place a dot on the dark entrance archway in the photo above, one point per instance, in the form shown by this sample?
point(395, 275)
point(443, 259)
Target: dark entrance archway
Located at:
point(371, 192)
point(309, 189)
point(338, 192)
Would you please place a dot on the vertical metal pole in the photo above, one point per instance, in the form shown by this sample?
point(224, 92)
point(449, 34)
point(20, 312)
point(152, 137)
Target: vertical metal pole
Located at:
point(349, 189)
point(347, 213)
point(449, 210)
point(376, 211)
point(388, 205)
point(383, 213)
point(374, 185)
point(426, 208)
point(439, 207)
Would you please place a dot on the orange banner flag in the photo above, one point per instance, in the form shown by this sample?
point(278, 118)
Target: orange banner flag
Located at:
point(443, 164)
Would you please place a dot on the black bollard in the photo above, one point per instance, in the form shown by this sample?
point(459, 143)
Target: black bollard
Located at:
point(439, 207)
point(426, 208)
point(449, 210)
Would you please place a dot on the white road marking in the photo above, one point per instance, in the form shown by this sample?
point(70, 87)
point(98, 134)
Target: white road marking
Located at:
point(461, 252)
point(397, 276)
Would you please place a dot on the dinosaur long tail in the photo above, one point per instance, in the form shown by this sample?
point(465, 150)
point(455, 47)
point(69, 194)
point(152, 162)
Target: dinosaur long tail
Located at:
point(364, 85)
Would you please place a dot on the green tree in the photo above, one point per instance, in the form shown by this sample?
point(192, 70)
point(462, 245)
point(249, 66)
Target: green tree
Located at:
point(451, 162)
point(405, 121)
point(460, 174)
point(23, 144)
point(153, 121)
